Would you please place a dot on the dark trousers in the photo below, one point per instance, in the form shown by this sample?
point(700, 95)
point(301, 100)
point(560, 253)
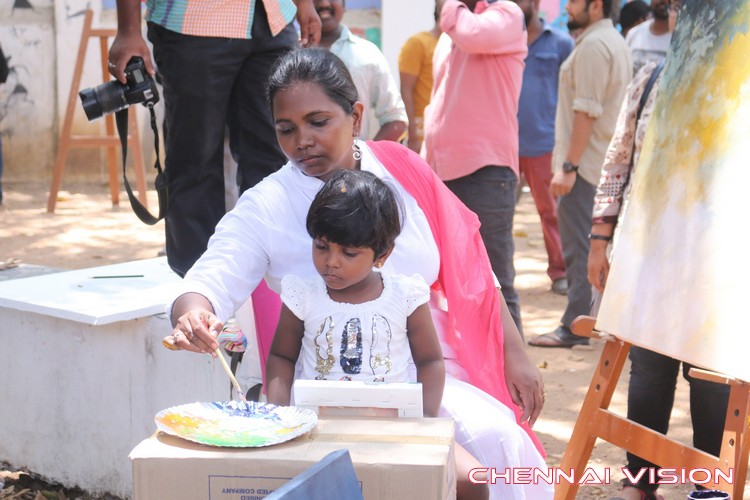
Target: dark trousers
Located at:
point(653, 379)
point(490, 192)
point(210, 83)
point(574, 222)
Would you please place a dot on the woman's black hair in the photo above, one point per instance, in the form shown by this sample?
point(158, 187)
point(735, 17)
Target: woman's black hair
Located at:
point(355, 208)
point(314, 65)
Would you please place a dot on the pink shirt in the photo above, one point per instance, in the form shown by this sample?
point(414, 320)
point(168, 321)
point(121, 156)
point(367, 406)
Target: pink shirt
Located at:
point(471, 121)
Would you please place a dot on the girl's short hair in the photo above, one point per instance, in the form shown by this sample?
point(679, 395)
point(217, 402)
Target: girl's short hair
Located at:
point(314, 65)
point(356, 209)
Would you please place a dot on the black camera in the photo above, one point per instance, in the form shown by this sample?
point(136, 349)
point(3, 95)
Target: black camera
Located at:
point(113, 96)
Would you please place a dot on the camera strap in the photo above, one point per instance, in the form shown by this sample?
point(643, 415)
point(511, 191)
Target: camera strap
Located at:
point(121, 119)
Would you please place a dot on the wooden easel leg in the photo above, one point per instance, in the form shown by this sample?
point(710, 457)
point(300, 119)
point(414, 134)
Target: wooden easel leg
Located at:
point(735, 445)
point(599, 396)
point(63, 146)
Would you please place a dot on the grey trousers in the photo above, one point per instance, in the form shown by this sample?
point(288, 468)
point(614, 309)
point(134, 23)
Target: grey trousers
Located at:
point(574, 212)
point(490, 192)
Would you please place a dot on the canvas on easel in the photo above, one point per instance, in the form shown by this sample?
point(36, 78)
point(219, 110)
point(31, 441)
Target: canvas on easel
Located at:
point(679, 273)
point(675, 283)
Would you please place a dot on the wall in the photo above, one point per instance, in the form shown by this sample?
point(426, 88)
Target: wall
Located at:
point(400, 21)
point(28, 99)
point(41, 38)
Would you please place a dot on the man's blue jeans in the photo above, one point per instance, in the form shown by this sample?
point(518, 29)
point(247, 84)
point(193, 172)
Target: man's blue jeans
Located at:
point(490, 192)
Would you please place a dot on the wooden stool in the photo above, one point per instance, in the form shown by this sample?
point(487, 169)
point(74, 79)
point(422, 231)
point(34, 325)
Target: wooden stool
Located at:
point(111, 140)
point(596, 421)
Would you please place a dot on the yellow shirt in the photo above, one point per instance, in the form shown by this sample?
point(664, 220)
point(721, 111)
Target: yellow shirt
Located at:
point(415, 58)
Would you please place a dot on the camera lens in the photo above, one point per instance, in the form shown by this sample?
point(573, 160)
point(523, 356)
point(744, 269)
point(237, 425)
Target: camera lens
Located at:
point(90, 104)
point(106, 98)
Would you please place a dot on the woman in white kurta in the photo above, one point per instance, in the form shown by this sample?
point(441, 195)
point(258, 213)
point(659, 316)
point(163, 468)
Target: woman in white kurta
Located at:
point(264, 237)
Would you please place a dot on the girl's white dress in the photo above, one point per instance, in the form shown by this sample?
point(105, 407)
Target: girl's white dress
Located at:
point(366, 342)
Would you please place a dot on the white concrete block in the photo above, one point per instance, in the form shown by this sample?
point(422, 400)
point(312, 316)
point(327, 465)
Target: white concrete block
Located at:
point(80, 389)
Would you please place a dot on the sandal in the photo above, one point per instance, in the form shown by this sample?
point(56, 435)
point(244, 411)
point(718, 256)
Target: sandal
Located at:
point(555, 339)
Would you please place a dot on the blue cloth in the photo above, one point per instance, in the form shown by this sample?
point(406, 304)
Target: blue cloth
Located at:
point(538, 101)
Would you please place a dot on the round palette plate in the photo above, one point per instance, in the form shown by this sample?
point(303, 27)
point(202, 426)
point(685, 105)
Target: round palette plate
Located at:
point(235, 424)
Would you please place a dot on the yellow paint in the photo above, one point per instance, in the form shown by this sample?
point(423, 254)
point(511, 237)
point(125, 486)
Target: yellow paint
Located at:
point(688, 135)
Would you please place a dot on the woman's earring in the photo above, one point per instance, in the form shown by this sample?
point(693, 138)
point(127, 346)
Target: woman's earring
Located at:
point(356, 151)
point(379, 264)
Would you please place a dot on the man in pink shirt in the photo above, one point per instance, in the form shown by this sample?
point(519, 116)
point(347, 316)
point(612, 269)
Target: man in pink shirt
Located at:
point(471, 125)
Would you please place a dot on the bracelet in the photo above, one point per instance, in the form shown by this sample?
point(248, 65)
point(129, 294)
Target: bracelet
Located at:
point(602, 237)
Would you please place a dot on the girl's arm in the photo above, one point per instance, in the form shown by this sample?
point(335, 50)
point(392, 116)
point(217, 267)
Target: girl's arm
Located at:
point(287, 342)
point(428, 357)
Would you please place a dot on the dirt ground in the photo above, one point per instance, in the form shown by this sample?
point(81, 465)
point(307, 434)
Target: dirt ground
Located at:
point(86, 231)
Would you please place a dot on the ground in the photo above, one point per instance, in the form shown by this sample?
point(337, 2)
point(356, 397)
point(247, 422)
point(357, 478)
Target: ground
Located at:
point(86, 231)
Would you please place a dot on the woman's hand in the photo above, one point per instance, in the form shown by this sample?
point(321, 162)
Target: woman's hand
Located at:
point(525, 385)
point(523, 378)
point(598, 265)
point(195, 331)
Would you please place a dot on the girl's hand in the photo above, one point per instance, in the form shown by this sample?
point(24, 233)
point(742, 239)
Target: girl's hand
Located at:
point(195, 331)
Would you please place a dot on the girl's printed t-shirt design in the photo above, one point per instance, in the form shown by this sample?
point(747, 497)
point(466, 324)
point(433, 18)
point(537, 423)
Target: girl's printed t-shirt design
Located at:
point(365, 342)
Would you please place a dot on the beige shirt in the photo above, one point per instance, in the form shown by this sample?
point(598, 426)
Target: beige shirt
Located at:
point(593, 80)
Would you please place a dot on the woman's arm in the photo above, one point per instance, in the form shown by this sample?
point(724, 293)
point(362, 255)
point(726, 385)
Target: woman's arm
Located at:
point(598, 263)
point(285, 349)
point(523, 378)
point(428, 357)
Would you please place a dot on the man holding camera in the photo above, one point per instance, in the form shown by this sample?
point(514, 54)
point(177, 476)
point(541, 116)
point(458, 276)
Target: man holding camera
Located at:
point(214, 60)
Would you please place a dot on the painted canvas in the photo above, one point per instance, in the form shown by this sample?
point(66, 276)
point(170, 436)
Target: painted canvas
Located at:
point(680, 272)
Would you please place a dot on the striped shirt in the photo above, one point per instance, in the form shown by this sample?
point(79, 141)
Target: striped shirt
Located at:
point(218, 18)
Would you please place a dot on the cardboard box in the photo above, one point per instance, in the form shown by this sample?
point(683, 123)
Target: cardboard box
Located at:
point(394, 458)
point(356, 398)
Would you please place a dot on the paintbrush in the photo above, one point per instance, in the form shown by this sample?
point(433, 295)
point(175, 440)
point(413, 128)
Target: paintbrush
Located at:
point(235, 384)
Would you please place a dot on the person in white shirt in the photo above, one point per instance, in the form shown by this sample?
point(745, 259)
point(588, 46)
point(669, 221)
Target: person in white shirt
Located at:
point(385, 112)
point(649, 41)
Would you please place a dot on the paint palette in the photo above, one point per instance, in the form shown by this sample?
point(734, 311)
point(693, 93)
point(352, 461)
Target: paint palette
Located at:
point(235, 424)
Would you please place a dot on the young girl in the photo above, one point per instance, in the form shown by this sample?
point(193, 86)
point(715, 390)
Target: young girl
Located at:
point(353, 322)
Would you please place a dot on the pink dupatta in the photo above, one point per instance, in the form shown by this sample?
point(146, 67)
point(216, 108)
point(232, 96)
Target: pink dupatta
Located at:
point(465, 277)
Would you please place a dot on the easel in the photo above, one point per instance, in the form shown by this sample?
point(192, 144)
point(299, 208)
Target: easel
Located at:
point(111, 141)
point(596, 421)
